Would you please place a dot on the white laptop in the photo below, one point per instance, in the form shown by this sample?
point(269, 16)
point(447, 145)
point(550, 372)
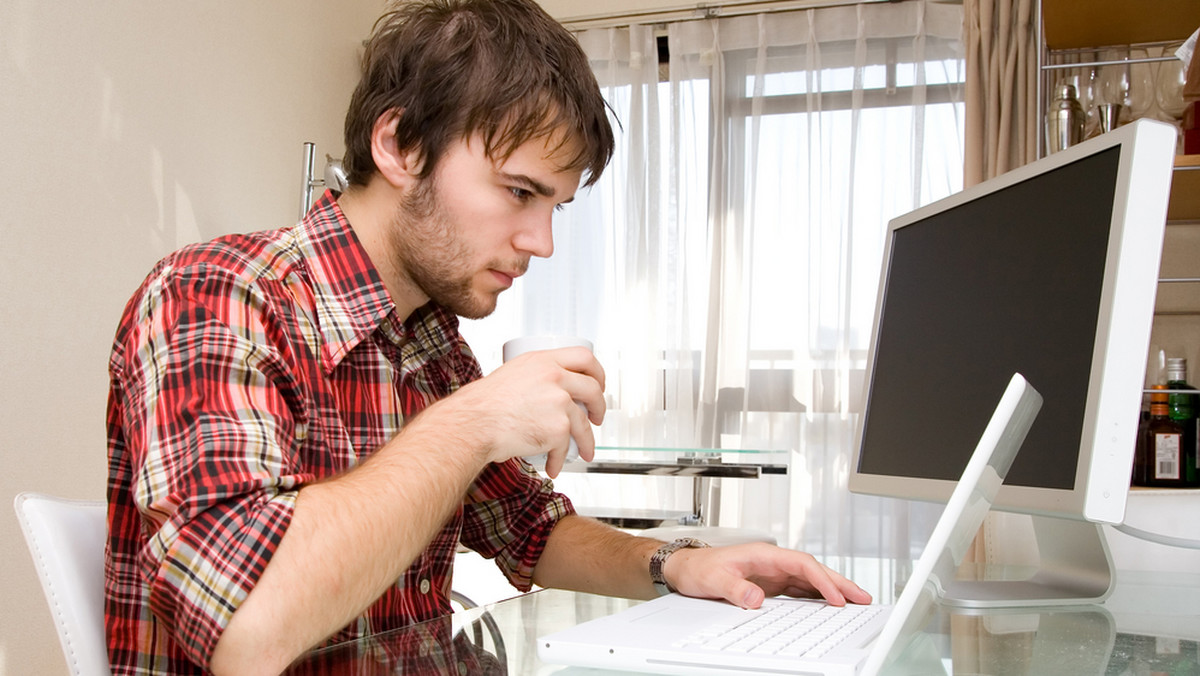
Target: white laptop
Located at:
point(668, 635)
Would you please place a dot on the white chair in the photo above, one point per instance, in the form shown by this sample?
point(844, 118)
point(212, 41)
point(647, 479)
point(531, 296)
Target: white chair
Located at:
point(66, 538)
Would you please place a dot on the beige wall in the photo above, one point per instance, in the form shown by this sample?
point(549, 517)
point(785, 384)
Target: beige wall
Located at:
point(127, 128)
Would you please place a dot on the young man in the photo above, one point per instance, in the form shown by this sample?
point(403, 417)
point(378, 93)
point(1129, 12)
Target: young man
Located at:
point(299, 436)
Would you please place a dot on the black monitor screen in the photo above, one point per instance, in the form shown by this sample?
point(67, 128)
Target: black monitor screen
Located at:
point(1010, 282)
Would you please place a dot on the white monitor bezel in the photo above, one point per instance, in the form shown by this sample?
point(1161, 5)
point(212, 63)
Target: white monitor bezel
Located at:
point(1122, 335)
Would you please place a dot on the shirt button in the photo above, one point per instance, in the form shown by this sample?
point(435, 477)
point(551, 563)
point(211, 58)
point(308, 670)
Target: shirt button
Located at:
point(425, 586)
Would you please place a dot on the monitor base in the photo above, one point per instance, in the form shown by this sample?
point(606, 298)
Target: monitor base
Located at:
point(1075, 568)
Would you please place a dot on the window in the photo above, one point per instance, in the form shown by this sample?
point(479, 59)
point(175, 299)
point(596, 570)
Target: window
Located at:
point(726, 265)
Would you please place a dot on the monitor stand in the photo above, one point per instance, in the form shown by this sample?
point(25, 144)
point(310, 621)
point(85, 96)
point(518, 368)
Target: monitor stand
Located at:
point(1075, 567)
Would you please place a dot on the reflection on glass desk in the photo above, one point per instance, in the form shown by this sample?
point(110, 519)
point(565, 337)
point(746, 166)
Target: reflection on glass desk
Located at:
point(1150, 625)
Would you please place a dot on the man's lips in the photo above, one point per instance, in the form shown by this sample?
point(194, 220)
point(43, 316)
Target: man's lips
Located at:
point(506, 277)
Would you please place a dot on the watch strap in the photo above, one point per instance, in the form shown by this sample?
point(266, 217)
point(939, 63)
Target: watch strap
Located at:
point(659, 559)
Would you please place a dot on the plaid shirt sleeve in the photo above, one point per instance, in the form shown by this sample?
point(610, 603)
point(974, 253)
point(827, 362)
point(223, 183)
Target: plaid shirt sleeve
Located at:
point(508, 515)
point(510, 509)
point(204, 401)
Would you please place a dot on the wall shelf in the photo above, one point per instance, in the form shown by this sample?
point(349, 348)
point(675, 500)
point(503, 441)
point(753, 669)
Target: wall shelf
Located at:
point(1185, 189)
point(1078, 24)
point(1073, 26)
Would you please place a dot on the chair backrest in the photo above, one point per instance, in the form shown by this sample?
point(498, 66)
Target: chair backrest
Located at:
point(66, 539)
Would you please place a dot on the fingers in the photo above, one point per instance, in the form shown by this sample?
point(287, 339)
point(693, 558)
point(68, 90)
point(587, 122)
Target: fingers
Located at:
point(579, 360)
point(554, 396)
point(836, 588)
point(581, 433)
point(576, 371)
point(827, 583)
point(745, 575)
point(582, 441)
point(810, 579)
point(588, 393)
point(583, 380)
point(851, 591)
point(554, 464)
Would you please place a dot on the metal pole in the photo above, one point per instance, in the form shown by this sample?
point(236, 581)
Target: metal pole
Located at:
point(306, 189)
point(1039, 131)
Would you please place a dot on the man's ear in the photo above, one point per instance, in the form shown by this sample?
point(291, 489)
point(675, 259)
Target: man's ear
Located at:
point(397, 166)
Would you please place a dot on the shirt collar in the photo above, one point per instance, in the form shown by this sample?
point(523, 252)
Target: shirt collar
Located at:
point(350, 299)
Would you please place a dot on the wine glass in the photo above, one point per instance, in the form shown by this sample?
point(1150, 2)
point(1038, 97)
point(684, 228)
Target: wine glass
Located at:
point(1114, 79)
point(1086, 81)
point(1169, 88)
point(1142, 85)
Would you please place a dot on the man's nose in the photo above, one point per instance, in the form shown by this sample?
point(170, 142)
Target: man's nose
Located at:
point(537, 237)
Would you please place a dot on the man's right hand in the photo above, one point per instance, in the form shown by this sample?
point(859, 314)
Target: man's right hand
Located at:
point(528, 407)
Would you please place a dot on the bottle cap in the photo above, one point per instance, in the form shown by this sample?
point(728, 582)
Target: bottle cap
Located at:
point(1155, 397)
point(1176, 368)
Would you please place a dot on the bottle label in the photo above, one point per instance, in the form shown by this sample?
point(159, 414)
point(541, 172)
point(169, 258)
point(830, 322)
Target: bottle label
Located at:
point(1166, 456)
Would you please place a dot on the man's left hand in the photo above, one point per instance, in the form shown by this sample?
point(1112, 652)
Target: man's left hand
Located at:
point(746, 574)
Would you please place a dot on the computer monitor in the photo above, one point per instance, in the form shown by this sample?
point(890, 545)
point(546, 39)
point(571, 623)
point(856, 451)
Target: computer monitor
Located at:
point(1049, 271)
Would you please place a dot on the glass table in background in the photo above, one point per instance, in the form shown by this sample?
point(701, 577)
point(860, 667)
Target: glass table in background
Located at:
point(701, 465)
point(1150, 625)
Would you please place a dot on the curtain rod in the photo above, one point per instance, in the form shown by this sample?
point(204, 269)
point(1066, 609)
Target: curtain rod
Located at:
point(703, 10)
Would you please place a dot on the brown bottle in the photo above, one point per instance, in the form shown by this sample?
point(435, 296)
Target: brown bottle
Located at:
point(1160, 454)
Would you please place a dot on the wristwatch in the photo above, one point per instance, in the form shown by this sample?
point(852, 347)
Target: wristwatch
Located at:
point(659, 558)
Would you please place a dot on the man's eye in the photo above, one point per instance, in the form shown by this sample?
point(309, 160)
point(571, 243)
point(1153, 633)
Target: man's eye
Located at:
point(521, 194)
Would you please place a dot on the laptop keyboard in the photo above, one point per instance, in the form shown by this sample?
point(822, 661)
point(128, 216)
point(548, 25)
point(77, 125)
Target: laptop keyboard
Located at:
point(784, 628)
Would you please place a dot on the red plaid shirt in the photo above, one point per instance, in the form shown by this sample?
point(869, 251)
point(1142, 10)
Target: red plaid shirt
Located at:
point(243, 369)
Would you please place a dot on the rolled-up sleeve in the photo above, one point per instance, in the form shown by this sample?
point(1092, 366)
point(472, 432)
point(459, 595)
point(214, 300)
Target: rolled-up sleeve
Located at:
point(213, 454)
point(508, 515)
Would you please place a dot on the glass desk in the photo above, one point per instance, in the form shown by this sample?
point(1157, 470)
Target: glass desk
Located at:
point(1150, 625)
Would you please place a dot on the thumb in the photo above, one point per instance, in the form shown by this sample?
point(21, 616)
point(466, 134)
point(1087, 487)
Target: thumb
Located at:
point(745, 594)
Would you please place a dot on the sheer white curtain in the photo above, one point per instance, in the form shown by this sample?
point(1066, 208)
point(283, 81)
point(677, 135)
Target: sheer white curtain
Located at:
point(726, 266)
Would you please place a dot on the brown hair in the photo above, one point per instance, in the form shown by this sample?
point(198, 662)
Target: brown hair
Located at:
point(453, 68)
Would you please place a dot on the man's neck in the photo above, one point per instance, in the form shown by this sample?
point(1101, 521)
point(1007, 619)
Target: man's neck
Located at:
point(370, 210)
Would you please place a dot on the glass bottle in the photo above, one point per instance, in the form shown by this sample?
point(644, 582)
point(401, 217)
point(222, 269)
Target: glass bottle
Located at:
point(1159, 457)
point(1141, 454)
point(1181, 408)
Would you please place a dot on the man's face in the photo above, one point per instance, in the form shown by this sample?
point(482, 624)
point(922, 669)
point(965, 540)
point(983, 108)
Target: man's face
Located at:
point(463, 235)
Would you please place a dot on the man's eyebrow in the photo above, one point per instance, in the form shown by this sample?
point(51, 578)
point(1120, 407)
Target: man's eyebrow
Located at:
point(533, 185)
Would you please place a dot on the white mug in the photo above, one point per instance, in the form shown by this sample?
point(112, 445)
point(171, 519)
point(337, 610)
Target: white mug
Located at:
point(519, 346)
